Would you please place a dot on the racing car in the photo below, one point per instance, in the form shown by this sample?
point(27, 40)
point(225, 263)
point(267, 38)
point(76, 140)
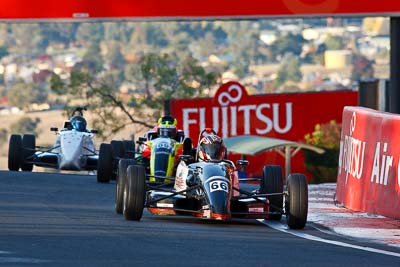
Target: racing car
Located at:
point(208, 187)
point(160, 166)
point(157, 151)
point(73, 150)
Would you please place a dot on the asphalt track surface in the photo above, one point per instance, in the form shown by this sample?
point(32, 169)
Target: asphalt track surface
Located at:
point(49, 219)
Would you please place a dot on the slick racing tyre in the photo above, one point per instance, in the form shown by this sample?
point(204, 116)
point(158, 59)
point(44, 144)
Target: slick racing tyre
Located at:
point(296, 202)
point(28, 150)
point(129, 147)
point(121, 181)
point(118, 153)
point(134, 193)
point(104, 164)
point(272, 183)
point(14, 152)
point(118, 148)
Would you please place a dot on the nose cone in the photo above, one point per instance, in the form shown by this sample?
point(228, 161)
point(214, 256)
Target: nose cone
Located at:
point(219, 195)
point(220, 206)
point(71, 150)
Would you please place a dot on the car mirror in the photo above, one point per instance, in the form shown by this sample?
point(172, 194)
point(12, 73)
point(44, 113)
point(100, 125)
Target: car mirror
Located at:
point(185, 158)
point(54, 129)
point(141, 140)
point(93, 131)
point(242, 163)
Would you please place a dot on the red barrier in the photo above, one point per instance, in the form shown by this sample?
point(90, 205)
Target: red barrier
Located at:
point(369, 162)
point(180, 9)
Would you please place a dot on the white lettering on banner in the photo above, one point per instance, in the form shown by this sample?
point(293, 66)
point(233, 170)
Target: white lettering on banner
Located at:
point(202, 115)
point(225, 119)
point(186, 120)
point(221, 115)
point(351, 156)
point(215, 120)
point(263, 118)
point(275, 113)
point(380, 169)
point(398, 174)
point(233, 121)
point(246, 114)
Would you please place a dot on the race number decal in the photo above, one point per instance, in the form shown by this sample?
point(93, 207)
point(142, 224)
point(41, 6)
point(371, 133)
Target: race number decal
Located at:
point(164, 145)
point(218, 186)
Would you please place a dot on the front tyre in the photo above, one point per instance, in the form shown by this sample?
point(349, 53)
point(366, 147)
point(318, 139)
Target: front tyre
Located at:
point(121, 181)
point(104, 164)
point(296, 202)
point(14, 152)
point(134, 193)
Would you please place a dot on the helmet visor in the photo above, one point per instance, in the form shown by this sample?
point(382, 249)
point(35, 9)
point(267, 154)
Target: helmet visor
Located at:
point(214, 151)
point(167, 131)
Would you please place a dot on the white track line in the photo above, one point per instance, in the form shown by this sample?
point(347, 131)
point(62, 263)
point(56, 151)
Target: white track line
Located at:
point(17, 259)
point(20, 260)
point(280, 227)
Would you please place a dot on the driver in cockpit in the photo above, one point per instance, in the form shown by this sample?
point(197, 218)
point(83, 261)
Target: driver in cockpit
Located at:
point(78, 123)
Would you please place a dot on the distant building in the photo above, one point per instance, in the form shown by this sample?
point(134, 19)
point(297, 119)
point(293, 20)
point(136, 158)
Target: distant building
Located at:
point(44, 62)
point(268, 37)
point(376, 26)
point(338, 59)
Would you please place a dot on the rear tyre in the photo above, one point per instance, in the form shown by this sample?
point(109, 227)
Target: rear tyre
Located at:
point(14, 152)
point(104, 164)
point(129, 147)
point(296, 202)
point(120, 185)
point(272, 183)
point(118, 148)
point(187, 146)
point(118, 153)
point(134, 193)
point(28, 150)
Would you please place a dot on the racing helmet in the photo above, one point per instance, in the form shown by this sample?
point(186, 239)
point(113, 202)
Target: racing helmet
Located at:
point(167, 121)
point(78, 123)
point(211, 147)
point(167, 131)
point(166, 126)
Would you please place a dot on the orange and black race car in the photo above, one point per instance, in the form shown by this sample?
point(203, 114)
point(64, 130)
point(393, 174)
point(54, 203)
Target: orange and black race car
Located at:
point(208, 187)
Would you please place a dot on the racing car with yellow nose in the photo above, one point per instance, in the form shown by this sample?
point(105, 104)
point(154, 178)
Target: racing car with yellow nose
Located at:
point(207, 186)
point(157, 154)
point(157, 151)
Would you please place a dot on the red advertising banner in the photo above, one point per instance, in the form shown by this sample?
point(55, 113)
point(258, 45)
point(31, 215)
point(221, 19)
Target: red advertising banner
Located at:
point(178, 9)
point(288, 116)
point(369, 162)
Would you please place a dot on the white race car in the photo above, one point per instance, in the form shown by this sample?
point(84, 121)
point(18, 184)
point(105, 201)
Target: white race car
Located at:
point(74, 149)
